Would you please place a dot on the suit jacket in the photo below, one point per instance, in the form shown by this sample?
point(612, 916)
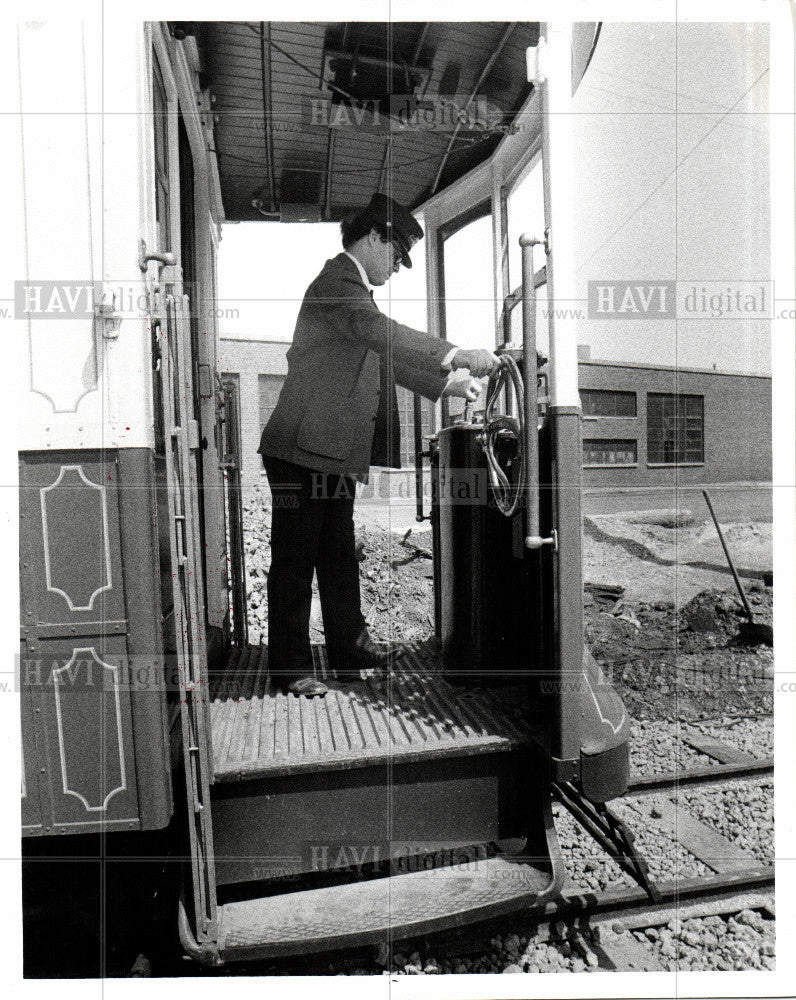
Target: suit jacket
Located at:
point(337, 411)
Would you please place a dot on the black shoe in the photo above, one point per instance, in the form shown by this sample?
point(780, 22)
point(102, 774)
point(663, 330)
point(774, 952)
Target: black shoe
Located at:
point(309, 687)
point(299, 680)
point(364, 654)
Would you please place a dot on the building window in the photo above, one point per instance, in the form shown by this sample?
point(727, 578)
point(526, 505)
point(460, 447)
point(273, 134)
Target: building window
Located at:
point(607, 403)
point(675, 429)
point(270, 387)
point(609, 451)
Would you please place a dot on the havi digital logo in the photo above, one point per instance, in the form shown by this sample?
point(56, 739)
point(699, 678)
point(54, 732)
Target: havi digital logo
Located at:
point(632, 300)
point(55, 299)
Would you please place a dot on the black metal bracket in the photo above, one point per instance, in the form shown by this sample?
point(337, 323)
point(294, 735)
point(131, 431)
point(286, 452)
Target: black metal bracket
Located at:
point(609, 832)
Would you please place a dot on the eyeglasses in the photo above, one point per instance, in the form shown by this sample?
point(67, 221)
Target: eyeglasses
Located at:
point(397, 254)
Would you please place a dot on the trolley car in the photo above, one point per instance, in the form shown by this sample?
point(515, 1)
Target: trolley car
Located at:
point(408, 804)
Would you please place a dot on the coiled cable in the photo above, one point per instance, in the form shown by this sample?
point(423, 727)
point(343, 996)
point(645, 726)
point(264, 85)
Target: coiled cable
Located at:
point(506, 375)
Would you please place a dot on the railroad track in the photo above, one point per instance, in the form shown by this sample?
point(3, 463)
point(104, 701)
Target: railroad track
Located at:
point(602, 923)
point(715, 774)
point(738, 881)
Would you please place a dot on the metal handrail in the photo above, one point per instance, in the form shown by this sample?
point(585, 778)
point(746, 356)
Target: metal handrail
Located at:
point(533, 539)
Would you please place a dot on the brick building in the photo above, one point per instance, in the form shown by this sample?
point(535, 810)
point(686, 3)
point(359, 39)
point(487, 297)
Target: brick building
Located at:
point(643, 425)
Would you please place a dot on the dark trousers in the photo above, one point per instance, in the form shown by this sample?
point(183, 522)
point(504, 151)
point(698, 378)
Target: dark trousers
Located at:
point(312, 531)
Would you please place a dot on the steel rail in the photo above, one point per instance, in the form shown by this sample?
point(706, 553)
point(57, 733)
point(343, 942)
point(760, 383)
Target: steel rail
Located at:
point(672, 780)
point(675, 893)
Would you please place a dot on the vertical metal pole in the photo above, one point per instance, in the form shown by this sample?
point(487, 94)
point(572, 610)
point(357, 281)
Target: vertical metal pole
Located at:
point(531, 443)
point(418, 435)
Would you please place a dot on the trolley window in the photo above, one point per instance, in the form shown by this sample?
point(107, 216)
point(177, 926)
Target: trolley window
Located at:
point(525, 214)
point(523, 208)
point(469, 289)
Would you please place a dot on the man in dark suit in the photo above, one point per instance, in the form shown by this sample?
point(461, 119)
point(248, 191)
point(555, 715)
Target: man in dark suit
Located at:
point(337, 415)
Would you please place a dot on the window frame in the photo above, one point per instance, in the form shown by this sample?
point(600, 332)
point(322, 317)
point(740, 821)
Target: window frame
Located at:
point(678, 416)
point(612, 392)
point(610, 465)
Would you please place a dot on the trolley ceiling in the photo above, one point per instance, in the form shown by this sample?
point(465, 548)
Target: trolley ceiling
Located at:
point(277, 86)
point(307, 115)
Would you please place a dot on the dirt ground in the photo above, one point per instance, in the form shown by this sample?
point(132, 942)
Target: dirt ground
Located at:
point(671, 556)
point(654, 556)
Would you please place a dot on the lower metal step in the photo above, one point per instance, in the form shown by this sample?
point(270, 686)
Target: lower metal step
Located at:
point(360, 913)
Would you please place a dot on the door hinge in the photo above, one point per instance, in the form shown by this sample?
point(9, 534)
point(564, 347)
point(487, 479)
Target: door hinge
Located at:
point(193, 434)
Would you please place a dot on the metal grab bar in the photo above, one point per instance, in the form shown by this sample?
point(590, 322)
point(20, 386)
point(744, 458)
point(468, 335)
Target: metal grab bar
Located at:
point(533, 540)
point(419, 456)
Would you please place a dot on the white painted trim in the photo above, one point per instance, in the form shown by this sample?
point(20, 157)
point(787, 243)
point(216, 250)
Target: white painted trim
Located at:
point(556, 96)
point(105, 538)
point(208, 182)
point(606, 721)
point(61, 748)
point(98, 821)
point(60, 388)
point(161, 52)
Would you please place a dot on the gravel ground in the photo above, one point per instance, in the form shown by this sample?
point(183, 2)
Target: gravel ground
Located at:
point(745, 940)
point(586, 863)
point(743, 812)
point(750, 736)
point(685, 664)
point(657, 745)
point(666, 858)
point(696, 686)
point(656, 748)
point(565, 950)
point(591, 868)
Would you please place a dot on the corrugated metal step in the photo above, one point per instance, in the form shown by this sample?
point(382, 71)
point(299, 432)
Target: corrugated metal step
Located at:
point(413, 714)
point(362, 912)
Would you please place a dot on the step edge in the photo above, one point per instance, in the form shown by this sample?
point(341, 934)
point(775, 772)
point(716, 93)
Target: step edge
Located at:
point(459, 916)
point(353, 760)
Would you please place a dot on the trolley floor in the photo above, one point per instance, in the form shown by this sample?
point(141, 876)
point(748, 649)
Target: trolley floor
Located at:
point(410, 713)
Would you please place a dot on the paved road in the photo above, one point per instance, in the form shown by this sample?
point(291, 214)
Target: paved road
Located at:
point(733, 502)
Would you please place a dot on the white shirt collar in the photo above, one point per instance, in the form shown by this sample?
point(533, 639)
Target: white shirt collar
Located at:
point(360, 268)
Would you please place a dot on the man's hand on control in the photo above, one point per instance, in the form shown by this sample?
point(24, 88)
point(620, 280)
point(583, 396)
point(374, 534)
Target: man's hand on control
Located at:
point(479, 361)
point(465, 388)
